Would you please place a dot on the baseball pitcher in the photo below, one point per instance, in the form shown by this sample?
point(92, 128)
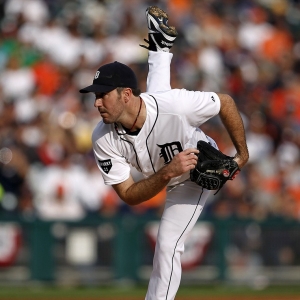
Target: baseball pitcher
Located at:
point(157, 132)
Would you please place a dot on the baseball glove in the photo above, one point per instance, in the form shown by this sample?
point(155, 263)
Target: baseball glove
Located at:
point(213, 168)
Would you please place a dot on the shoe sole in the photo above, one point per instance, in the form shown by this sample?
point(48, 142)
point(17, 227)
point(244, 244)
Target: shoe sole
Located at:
point(169, 32)
point(157, 12)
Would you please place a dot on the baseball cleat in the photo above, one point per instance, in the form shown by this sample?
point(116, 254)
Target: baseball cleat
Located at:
point(161, 36)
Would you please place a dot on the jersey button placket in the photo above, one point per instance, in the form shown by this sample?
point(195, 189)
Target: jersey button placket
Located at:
point(138, 146)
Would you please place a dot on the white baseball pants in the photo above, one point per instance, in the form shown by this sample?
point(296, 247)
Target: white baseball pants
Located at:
point(183, 207)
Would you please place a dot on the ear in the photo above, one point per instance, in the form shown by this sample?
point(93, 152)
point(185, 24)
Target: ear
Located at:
point(127, 92)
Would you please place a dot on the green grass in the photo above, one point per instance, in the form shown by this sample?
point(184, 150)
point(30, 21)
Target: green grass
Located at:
point(40, 292)
point(227, 290)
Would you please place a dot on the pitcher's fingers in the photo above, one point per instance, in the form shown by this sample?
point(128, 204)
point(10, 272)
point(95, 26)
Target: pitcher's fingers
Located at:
point(191, 150)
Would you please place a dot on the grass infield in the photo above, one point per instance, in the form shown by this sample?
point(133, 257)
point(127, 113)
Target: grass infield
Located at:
point(103, 293)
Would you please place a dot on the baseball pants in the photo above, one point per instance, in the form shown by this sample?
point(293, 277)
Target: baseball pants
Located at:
point(183, 206)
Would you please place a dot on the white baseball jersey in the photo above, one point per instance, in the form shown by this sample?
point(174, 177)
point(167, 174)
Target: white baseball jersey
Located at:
point(171, 125)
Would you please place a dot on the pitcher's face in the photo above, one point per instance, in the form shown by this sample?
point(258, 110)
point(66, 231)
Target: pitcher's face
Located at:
point(110, 106)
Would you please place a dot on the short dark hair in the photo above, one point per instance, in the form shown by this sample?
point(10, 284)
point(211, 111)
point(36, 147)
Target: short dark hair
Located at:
point(135, 92)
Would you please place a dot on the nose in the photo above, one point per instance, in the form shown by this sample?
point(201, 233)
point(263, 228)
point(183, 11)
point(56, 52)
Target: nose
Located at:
point(98, 102)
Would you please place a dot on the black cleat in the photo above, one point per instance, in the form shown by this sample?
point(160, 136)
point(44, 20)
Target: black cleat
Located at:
point(161, 36)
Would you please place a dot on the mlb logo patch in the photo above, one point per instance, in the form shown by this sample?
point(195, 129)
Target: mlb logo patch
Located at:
point(105, 165)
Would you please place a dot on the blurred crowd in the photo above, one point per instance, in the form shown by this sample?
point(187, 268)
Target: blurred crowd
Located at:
point(49, 49)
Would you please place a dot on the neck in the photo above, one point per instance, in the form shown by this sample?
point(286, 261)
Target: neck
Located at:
point(137, 116)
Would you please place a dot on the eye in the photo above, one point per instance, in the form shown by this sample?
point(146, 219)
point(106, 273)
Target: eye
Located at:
point(100, 95)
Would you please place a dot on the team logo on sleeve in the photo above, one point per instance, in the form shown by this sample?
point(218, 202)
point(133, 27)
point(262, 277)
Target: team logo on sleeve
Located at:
point(169, 150)
point(105, 165)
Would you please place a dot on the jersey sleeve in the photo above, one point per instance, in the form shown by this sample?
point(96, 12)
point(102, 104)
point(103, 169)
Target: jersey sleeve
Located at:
point(197, 106)
point(111, 163)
